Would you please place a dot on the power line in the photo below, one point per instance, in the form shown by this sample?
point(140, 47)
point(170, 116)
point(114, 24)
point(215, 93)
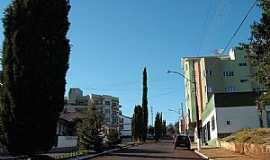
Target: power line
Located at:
point(240, 25)
point(204, 28)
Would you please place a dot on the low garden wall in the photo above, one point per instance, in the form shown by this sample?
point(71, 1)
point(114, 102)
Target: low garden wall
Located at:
point(245, 148)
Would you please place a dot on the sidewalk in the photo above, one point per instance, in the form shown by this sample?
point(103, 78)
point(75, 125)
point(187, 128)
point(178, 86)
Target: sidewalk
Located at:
point(222, 154)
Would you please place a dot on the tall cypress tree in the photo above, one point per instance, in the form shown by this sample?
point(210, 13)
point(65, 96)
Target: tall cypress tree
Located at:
point(158, 126)
point(35, 62)
point(145, 104)
point(164, 129)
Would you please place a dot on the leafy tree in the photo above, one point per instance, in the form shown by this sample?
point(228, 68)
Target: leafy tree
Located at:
point(35, 62)
point(113, 137)
point(90, 130)
point(259, 53)
point(145, 104)
point(259, 46)
point(158, 126)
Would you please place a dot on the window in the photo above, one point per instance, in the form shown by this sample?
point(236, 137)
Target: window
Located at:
point(78, 109)
point(107, 111)
point(107, 103)
point(243, 80)
point(230, 89)
point(228, 73)
point(242, 64)
point(209, 72)
point(228, 122)
point(121, 126)
point(268, 118)
point(213, 123)
point(209, 89)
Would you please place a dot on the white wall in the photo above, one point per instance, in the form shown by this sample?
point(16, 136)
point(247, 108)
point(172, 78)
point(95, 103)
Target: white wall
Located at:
point(213, 133)
point(67, 141)
point(126, 131)
point(239, 117)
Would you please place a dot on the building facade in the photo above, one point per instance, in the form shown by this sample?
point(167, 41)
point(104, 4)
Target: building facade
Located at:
point(109, 107)
point(75, 97)
point(125, 126)
point(227, 113)
point(74, 94)
point(209, 75)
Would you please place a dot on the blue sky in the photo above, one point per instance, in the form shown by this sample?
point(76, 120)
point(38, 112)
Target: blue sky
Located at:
point(112, 40)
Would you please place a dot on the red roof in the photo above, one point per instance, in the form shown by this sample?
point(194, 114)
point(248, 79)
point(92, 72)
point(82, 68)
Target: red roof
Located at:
point(70, 116)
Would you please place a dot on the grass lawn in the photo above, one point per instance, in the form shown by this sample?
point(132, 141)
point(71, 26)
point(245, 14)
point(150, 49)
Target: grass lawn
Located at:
point(255, 136)
point(71, 154)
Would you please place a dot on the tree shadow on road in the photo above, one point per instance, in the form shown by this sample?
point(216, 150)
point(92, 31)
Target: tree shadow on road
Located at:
point(140, 151)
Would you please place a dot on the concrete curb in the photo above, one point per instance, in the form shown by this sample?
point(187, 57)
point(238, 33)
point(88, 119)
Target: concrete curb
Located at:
point(95, 155)
point(102, 153)
point(201, 155)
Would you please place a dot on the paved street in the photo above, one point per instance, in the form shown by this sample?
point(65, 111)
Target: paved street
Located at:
point(152, 151)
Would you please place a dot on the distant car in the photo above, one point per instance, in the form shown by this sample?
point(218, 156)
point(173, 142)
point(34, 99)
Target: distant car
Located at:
point(150, 136)
point(182, 141)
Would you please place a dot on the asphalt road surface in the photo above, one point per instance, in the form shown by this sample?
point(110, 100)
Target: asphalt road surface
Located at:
point(152, 151)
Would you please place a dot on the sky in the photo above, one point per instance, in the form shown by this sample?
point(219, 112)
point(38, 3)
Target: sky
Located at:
point(113, 40)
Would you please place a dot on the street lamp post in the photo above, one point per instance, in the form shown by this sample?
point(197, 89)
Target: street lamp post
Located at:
point(196, 106)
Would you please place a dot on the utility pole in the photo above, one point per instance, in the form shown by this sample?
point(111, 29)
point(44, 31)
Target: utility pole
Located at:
point(197, 111)
point(182, 110)
point(183, 119)
point(196, 104)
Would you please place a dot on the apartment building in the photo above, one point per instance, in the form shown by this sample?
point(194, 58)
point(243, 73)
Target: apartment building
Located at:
point(125, 126)
point(75, 97)
point(109, 107)
point(217, 74)
point(74, 94)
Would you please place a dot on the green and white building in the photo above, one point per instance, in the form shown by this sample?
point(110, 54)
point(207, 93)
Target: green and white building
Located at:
point(226, 94)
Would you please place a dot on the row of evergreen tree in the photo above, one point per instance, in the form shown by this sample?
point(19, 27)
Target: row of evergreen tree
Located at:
point(159, 130)
point(140, 116)
point(160, 127)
